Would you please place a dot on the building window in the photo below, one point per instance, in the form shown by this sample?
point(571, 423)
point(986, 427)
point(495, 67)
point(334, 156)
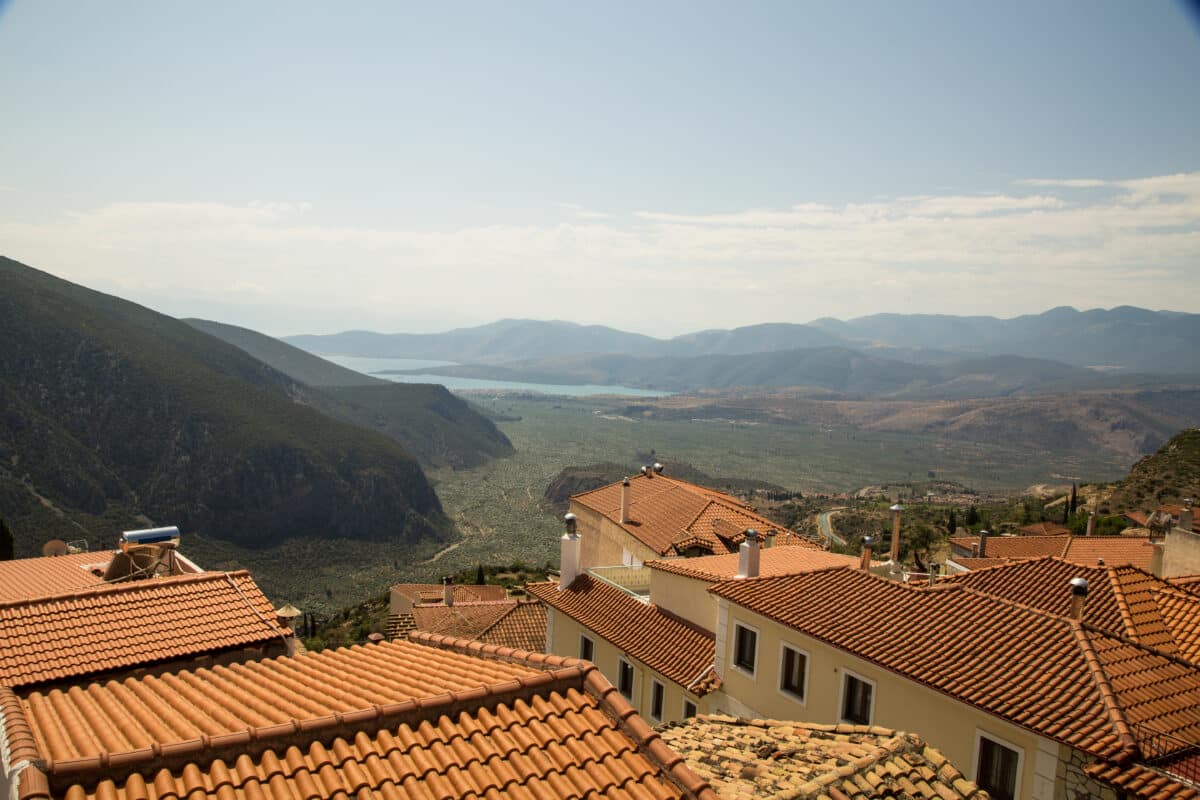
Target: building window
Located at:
point(745, 648)
point(858, 696)
point(793, 672)
point(625, 678)
point(587, 648)
point(689, 709)
point(997, 767)
point(656, 700)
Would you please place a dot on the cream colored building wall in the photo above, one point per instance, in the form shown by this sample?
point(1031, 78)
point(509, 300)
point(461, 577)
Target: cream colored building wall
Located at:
point(1181, 553)
point(685, 597)
point(564, 633)
point(605, 543)
point(947, 724)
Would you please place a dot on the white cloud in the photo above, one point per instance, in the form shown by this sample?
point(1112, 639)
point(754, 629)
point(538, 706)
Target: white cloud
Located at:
point(1002, 253)
point(584, 213)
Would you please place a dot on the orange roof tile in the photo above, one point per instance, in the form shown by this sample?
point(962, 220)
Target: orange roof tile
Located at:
point(117, 626)
point(1142, 781)
point(26, 578)
point(768, 758)
point(463, 593)
point(1084, 550)
point(663, 510)
point(461, 620)
point(476, 721)
point(1044, 529)
point(524, 628)
point(1123, 600)
point(679, 650)
point(1067, 680)
point(771, 561)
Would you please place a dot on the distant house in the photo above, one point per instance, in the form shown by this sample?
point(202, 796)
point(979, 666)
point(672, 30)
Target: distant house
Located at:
point(1044, 529)
point(974, 552)
point(652, 515)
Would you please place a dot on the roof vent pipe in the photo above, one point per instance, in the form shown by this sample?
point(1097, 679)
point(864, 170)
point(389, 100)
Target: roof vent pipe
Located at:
point(448, 590)
point(658, 468)
point(896, 509)
point(983, 544)
point(868, 545)
point(568, 565)
point(748, 555)
point(624, 501)
point(933, 573)
point(1079, 590)
point(645, 471)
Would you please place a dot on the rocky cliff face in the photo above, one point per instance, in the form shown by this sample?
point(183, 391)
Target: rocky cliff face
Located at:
point(113, 410)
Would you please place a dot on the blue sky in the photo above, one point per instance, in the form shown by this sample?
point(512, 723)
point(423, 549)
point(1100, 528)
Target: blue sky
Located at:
point(661, 167)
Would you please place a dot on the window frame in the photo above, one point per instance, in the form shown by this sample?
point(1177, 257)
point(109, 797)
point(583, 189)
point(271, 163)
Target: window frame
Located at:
point(656, 686)
point(591, 647)
point(802, 698)
point(980, 735)
point(847, 674)
point(622, 665)
point(695, 709)
point(752, 671)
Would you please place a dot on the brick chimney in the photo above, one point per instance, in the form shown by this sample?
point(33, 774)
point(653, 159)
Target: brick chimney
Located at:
point(448, 590)
point(867, 547)
point(568, 565)
point(895, 555)
point(1079, 590)
point(748, 555)
point(983, 537)
point(624, 501)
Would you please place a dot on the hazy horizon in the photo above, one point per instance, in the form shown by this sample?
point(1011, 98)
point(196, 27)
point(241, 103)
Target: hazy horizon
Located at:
point(661, 169)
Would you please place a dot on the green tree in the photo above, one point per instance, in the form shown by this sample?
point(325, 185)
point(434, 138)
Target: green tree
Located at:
point(972, 516)
point(479, 577)
point(952, 522)
point(6, 542)
point(1066, 513)
point(1074, 497)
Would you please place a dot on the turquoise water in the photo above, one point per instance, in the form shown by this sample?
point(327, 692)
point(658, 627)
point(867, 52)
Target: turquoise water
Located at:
point(374, 366)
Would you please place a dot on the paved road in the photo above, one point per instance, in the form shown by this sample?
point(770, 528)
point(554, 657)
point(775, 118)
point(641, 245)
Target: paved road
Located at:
point(827, 529)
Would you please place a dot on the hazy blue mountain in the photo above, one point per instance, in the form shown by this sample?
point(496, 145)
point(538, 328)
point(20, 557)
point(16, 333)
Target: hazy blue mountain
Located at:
point(1126, 338)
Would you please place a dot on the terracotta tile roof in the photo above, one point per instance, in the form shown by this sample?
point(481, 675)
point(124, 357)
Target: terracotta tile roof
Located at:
point(768, 758)
point(399, 625)
point(117, 626)
point(523, 628)
point(461, 620)
point(664, 511)
point(979, 563)
point(463, 593)
point(678, 650)
point(1142, 781)
point(771, 561)
point(1085, 550)
point(1185, 581)
point(471, 721)
point(1123, 600)
point(26, 578)
point(1044, 529)
point(1069, 681)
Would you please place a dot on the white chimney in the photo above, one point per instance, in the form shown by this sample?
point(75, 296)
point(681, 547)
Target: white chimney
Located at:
point(448, 590)
point(1079, 590)
point(568, 566)
point(1156, 559)
point(896, 509)
point(1186, 516)
point(1091, 528)
point(748, 555)
point(658, 468)
point(624, 501)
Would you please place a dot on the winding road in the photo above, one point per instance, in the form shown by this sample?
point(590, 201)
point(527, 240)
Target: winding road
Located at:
point(826, 528)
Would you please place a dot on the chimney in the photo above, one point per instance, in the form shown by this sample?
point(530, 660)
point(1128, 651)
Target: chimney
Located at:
point(1079, 590)
point(658, 468)
point(748, 555)
point(868, 545)
point(1156, 559)
point(896, 509)
point(769, 540)
point(1185, 516)
point(646, 471)
point(568, 569)
point(624, 500)
point(448, 590)
point(983, 544)
point(1091, 528)
point(933, 573)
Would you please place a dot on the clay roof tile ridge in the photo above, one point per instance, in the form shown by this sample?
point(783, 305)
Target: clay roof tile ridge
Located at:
point(1107, 695)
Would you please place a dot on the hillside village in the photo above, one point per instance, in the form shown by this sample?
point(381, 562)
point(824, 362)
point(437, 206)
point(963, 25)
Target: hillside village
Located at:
point(688, 646)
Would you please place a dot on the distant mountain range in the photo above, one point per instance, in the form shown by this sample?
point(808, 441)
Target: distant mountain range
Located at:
point(1123, 338)
point(112, 416)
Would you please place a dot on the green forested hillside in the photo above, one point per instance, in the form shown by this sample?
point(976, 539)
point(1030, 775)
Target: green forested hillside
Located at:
point(435, 426)
point(1166, 477)
point(113, 415)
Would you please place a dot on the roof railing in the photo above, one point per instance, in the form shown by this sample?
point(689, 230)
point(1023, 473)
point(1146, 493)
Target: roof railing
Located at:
point(1177, 757)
